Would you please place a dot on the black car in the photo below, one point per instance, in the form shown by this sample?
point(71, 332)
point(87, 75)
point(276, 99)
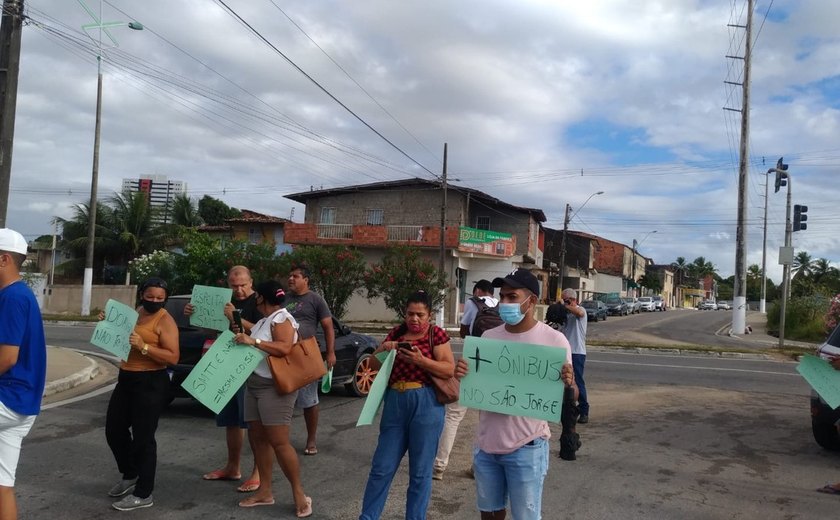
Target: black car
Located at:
point(596, 310)
point(825, 420)
point(352, 352)
point(616, 306)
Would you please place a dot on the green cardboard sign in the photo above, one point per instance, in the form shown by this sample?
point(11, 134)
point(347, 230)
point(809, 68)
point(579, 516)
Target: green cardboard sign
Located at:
point(513, 378)
point(209, 307)
point(823, 378)
point(221, 371)
point(377, 389)
point(111, 334)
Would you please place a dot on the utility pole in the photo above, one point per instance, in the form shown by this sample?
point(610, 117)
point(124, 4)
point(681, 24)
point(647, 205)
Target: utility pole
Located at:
point(442, 263)
point(762, 306)
point(785, 258)
point(560, 285)
point(9, 67)
point(636, 291)
point(739, 309)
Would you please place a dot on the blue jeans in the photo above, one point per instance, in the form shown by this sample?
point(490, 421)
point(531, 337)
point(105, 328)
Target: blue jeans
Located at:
point(411, 421)
point(517, 476)
point(578, 361)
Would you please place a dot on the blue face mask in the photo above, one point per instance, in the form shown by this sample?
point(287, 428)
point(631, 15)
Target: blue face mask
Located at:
point(511, 313)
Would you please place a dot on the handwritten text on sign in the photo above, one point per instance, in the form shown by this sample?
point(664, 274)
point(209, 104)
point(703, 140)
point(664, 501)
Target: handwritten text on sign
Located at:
point(513, 378)
point(822, 377)
point(221, 371)
point(112, 333)
point(209, 307)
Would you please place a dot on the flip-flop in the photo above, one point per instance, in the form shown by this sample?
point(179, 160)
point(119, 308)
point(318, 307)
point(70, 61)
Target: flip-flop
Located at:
point(310, 451)
point(307, 511)
point(829, 489)
point(249, 486)
point(248, 502)
point(220, 474)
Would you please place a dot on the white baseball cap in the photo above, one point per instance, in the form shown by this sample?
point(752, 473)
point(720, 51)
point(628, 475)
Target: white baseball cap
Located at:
point(12, 241)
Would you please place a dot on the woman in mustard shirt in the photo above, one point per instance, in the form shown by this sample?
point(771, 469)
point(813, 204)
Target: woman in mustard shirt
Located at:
point(140, 397)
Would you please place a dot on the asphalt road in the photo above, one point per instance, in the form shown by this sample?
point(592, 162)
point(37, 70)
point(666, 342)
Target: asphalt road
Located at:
point(670, 437)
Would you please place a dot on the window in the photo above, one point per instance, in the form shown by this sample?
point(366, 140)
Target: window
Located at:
point(327, 216)
point(482, 222)
point(375, 217)
point(254, 235)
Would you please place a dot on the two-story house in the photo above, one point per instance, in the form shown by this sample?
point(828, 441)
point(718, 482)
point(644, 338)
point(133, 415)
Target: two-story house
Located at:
point(579, 272)
point(483, 237)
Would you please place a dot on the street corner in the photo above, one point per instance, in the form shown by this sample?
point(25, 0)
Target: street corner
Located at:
point(68, 370)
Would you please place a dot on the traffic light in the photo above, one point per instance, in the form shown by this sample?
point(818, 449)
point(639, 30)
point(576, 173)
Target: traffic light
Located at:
point(799, 217)
point(781, 174)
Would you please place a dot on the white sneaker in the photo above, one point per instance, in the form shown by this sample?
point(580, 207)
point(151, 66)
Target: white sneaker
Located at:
point(122, 487)
point(437, 474)
point(131, 502)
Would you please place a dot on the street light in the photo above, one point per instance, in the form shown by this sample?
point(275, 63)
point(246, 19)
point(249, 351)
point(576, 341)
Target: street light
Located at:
point(87, 287)
point(635, 246)
point(566, 220)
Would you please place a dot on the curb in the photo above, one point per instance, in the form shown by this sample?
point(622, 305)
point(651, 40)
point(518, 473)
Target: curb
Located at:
point(73, 380)
point(679, 352)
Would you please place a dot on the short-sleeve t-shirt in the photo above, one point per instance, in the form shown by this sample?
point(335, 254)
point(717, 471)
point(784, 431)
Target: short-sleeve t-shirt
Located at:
point(575, 332)
point(248, 306)
point(501, 434)
point(308, 310)
point(471, 310)
point(262, 331)
point(22, 386)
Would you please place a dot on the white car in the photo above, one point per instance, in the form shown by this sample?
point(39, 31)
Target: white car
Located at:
point(708, 305)
point(723, 305)
point(647, 304)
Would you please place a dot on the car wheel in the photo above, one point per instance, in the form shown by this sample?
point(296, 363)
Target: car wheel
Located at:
point(826, 435)
point(363, 376)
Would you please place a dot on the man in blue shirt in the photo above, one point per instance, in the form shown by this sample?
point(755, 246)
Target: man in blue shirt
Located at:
point(23, 363)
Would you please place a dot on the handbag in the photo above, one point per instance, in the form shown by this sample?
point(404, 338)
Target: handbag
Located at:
point(447, 390)
point(301, 366)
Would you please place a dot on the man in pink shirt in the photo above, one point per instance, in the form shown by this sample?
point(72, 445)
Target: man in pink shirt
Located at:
point(511, 456)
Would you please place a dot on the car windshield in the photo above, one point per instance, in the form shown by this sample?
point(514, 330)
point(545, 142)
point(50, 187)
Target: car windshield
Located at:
point(645, 299)
point(834, 339)
point(614, 301)
point(588, 304)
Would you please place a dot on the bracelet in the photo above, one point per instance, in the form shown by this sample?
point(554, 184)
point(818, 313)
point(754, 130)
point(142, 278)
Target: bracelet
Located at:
point(145, 349)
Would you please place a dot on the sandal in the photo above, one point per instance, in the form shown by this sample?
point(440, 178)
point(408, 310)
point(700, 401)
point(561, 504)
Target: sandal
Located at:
point(220, 474)
point(306, 511)
point(252, 502)
point(829, 489)
point(249, 486)
point(311, 451)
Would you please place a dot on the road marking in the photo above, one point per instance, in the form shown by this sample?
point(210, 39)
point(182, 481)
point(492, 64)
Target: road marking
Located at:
point(98, 391)
point(695, 367)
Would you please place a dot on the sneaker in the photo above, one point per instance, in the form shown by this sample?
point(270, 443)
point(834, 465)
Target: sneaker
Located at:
point(131, 502)
point(122, 487)
point(437, 474)
point(583, 419)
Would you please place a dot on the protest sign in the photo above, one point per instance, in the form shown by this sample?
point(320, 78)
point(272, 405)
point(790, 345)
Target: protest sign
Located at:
point(221, 371)
point(513, 378)
point(823, 378)
point(209, 307)
point(111, 334)
point(377, 389)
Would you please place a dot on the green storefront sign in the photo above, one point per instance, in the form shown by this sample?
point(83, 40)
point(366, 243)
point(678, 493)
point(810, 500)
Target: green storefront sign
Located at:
point(470, 235)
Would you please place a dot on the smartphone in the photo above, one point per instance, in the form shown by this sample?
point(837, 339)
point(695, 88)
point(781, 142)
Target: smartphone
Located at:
point(404, 345)
point(237, 319)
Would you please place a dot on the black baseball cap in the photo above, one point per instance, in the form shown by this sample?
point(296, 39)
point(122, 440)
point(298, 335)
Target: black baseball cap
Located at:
point(520, 279)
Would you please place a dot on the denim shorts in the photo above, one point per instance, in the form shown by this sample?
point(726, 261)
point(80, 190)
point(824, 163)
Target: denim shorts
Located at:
point(308, 395)
point(516, 476)
point(233, 414)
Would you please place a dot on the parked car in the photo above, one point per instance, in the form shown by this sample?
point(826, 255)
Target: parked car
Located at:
point(708, 305)
point(633, 305)
point(647, 304)
point(658, 303)
point(596, 310)
point(352, 351)
point(824, 420)
point(723, 305)
point(617, 307)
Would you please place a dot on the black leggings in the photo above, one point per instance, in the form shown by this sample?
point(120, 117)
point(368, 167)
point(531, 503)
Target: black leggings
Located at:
point(133, 413)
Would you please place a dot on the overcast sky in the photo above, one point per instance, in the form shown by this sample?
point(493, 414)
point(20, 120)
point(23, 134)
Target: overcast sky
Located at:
point(542, 103)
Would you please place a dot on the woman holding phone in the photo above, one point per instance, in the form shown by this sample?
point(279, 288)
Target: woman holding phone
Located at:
point(412, 418)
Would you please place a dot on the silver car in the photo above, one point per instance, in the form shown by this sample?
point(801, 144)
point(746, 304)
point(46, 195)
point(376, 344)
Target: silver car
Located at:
point(647, 304)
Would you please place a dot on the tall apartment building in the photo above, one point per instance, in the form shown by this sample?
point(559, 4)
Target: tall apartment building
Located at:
point(160, 192)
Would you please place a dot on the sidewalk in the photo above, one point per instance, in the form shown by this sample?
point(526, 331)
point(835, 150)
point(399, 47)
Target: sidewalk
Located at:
point(67, 369)
point(759, 336)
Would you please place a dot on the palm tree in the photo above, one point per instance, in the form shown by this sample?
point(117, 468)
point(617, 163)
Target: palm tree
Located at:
point(802, 264)
point(185, 212)
point(133, 225)
point(681, 269)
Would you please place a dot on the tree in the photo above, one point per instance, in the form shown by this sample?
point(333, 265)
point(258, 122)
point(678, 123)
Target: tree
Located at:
point(184, 212)
point(802, 264)
point(214, 212)
point(651, 282)
point(337, 273)
point(401, 273)
point(132, 230)
point(680, 267)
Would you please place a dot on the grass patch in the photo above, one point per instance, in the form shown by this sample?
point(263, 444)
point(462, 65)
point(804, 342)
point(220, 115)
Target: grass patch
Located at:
point(70, 317)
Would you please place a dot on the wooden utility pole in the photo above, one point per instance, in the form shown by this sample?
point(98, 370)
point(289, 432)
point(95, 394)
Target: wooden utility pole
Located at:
point(9, 67)
point(441, 265)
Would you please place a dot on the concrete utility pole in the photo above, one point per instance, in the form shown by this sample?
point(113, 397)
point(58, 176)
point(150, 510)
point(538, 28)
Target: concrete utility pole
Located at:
point(9, 67)
point(566, 219)
point(785, 258)
point(762, 306)
point(442, 262)
point(739, 307)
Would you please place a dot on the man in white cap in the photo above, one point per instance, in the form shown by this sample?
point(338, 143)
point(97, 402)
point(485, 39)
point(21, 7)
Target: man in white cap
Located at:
point(23, 363)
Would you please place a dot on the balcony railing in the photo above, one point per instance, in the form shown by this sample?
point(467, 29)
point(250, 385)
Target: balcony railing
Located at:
point(335, 231)
point(405, 233)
